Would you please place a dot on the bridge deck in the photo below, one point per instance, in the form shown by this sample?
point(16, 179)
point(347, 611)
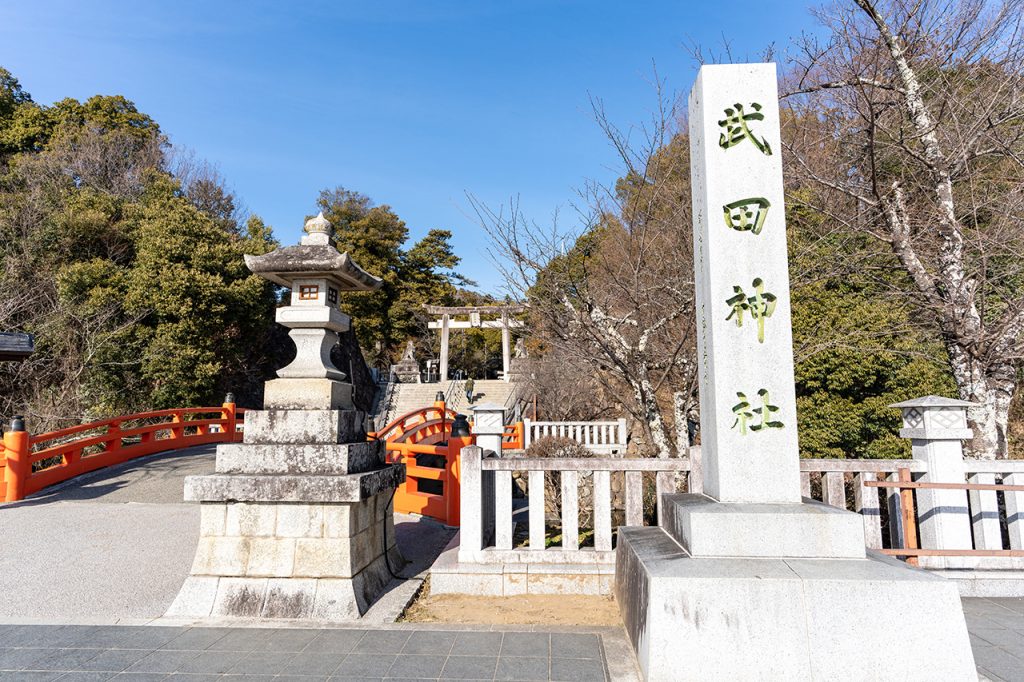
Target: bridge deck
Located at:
point(113, 546)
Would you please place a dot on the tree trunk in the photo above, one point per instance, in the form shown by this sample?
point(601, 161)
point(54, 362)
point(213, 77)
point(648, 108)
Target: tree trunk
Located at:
point(992, 389)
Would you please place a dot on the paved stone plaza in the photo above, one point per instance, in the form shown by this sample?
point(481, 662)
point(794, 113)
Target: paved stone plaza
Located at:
point(39, 653)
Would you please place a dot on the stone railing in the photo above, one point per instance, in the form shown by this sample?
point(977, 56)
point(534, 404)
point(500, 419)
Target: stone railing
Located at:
point(600, 437)
point(489, 513)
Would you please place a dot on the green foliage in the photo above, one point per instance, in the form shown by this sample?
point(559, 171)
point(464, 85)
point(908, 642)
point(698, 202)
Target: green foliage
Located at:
point(375, 237)
point(135, 288)
point(858, 351)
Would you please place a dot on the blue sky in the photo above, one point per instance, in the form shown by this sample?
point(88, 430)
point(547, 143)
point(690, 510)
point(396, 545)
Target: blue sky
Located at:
point(412, 103)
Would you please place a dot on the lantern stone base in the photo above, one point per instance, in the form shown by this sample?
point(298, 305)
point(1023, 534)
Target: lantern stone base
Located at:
point(296, 523)
point(785, 619)
point(290, 560)
point(307, 394)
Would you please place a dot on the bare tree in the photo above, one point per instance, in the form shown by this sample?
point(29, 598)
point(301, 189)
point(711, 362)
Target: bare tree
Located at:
point(616, 295)
point(907, 125)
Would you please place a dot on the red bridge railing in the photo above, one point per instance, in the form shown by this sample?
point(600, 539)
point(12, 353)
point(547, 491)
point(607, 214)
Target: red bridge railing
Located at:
point(29, 463)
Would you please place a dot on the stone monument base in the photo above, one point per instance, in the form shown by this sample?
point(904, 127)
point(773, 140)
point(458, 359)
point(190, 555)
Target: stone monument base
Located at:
point(811, 530)
point(786, 619)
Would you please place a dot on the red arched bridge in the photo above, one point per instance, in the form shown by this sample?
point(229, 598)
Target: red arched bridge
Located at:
point(421, 439)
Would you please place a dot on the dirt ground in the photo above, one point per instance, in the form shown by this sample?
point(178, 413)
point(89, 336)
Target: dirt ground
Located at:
point(527, 609)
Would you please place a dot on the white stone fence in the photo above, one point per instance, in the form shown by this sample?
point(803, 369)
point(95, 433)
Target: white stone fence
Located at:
point(600, 437)
point(487, 531)
point(489, 516)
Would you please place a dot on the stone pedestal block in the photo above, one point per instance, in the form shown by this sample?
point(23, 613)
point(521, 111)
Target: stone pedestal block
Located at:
point(785, 619)
point(318, 459)
point(307, 394)
point(706, 528)
point(305, 427)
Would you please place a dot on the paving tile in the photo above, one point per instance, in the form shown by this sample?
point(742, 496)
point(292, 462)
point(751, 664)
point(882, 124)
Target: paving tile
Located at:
point(58, 637)
point(114, 660)
point(369, 679)
point(1005, 665)
point(469, 667)
point(313, 664)
point(521, 668)
point(416, 665)
point(335, 641)
point(565, 645)
point(261, 663)
point(242, 640)
point(19, 659)
point(301, 678)
point(65, 659)
point(365, 665)
point(197, 639)
point(29, 676)
point(231, 677)
point(1009, 619)
point(382, 642)
point(87, 676)
point(576, 670)
point(179, 677)
point(290, 640)
point(477, 644)
point(211, 662)
point(429, 642)
point(162, 661)
point(533, 644)
point(138, 677)
point(40, 636)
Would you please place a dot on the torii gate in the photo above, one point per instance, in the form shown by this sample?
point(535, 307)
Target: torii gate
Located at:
point(475, 312)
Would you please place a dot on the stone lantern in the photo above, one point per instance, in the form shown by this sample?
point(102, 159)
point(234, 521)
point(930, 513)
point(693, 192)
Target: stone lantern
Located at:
point(316, 274)
point(297, 522)
point(936, 427)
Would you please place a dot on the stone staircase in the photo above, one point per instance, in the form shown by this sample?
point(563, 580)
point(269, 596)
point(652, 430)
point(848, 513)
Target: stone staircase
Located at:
point(410, 397)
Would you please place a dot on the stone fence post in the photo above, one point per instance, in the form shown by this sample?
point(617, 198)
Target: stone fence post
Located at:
point(476, 504)
point(935, 427)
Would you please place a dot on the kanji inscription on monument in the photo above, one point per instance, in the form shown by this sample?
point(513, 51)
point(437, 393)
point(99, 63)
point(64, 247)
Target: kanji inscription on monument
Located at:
point(747, 397)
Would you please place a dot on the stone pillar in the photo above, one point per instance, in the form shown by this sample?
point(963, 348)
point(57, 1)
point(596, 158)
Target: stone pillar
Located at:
point(747, 395)
point(444, 348)
point(936, 426)
point(506, 347)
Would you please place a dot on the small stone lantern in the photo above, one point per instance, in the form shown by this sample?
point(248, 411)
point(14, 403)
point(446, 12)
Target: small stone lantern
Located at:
point(489, 426)
point(317, 274)
point(936, 426)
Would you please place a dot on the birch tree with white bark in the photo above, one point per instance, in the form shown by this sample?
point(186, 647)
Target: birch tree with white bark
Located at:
point(907, 123)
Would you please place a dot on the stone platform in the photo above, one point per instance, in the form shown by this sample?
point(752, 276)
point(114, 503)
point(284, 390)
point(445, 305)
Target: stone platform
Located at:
point(786, 619)
point(297, 523)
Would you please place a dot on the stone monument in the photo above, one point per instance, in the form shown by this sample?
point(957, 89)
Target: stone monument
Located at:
point(407, 370)
point(746, 581)
point(296, 519)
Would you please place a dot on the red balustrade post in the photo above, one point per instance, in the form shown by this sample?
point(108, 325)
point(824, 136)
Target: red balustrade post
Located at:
point(113, 441)
point(229, 416)
point(19, 466)
point(177, 419)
